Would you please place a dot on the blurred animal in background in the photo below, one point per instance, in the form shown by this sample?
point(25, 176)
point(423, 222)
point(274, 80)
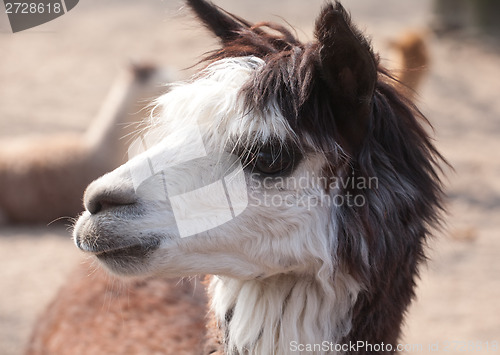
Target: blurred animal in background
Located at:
point(42, 178)
point(413, 59)
point(283, 275)
point(153, 316)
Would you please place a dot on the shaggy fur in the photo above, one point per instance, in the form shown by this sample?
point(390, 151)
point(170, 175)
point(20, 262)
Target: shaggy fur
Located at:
point(289, 272)
point(43, 178)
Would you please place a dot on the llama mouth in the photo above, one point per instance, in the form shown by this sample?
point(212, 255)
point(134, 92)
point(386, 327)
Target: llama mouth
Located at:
point(128, 260)
point(94, 237)
point(128, 252)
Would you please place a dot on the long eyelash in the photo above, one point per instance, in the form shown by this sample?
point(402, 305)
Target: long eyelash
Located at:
point(278, 148)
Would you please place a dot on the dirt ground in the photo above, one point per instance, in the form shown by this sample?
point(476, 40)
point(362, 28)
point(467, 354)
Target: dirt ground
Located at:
point(53, 78)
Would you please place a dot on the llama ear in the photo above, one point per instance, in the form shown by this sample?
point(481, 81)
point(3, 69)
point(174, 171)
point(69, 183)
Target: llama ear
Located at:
point(347, 64)
point(223, 24)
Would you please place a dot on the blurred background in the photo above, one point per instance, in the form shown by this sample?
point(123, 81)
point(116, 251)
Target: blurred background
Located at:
point(53, 78)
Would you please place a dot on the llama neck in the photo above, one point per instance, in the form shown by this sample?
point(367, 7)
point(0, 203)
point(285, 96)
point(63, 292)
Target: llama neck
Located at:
point(274, 315)
point(117, 116)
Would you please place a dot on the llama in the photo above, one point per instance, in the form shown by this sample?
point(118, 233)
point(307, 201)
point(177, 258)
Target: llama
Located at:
point(414, 59)
point(288, 277)
point(123, 318)
point(43, 178)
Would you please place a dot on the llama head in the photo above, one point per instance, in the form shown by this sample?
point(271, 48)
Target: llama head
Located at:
point(269, 161)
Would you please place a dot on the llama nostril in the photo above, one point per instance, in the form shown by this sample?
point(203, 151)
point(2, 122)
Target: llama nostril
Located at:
point(104, 202)
point(94, 207)
point(99, 200)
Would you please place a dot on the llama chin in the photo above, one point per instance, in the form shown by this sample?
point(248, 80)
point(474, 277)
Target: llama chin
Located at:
point(291, 272)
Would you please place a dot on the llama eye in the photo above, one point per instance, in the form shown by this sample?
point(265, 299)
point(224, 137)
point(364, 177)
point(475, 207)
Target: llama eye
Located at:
point(272, 162)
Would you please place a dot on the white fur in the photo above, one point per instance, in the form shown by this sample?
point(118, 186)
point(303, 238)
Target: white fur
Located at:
point(270, 314)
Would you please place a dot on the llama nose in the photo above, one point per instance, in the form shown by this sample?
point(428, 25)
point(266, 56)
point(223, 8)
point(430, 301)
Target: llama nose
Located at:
point(98, 199)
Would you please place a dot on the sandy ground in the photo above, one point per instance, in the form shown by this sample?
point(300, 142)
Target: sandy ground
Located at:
point(53, 79)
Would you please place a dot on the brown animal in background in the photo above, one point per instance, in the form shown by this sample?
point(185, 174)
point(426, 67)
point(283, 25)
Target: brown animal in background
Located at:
point(167, 314)
point(413, 53)
point(331, 273)
point(42, 178)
